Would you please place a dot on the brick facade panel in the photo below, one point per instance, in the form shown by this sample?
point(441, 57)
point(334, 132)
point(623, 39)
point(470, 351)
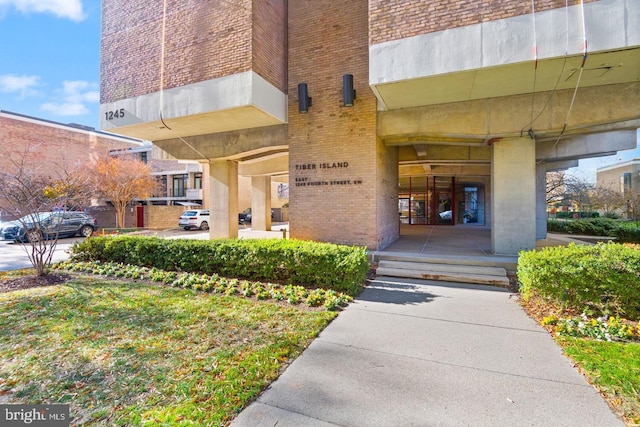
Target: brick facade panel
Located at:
point(327, 39)
point(397, 19)
point(203, 41)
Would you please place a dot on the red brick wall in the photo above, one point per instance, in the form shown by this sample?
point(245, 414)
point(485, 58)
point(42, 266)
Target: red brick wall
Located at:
point(397, 19)
point(52, 146)
point(327, 39)
point(46, 147)
point(203, 40)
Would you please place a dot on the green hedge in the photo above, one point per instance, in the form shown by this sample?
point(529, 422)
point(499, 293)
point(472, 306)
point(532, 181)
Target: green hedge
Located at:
point(568, 215)
point(625, 232)
point(590, 227)
point(296, 262)
point(629, 233)
point(602, 279)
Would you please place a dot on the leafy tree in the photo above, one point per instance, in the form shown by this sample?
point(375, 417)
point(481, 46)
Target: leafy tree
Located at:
point(121, 180)
point(28, 188)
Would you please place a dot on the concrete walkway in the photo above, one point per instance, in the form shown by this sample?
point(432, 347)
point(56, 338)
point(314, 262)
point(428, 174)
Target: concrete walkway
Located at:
point(420, 353)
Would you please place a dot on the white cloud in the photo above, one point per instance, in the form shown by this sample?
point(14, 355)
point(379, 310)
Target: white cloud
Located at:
point(73, 98)
point(70, 9)
point(23, 85)
point(65, 109)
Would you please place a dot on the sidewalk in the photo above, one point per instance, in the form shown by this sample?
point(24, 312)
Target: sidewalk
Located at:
point(421, 353)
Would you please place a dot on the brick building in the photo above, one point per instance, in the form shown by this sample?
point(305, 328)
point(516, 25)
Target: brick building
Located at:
point(623, 177)
point(180, 186)
point(46, 146)
point(376, 112)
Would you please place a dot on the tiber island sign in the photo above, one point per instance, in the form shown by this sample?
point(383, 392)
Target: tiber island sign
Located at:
point(305, 181)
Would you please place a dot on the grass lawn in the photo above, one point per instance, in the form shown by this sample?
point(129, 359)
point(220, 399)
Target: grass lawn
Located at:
point(613, 368)
point(126, 353)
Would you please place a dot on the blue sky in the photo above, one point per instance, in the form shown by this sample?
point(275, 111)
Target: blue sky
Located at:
point(50, 59)
point(50, 66)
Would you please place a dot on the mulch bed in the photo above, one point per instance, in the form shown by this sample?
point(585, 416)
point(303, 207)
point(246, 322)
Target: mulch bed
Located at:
point(32, 281)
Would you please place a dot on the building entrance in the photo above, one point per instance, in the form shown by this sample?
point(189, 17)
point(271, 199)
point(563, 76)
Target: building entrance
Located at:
point(427, 200)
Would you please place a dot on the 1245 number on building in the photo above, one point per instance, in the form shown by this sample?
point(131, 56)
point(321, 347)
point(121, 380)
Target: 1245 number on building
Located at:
point(115, 114)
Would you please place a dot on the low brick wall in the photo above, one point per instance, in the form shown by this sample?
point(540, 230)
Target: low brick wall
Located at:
point(162, 217)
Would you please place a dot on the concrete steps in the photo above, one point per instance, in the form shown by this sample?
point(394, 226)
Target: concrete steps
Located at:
point(486, 270)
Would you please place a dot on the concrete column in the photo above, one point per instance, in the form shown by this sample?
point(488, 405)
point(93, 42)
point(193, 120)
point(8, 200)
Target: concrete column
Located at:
point(206, 185)
point(541, 201)
point(261, 203)
point(513, 202)
point(223, 199)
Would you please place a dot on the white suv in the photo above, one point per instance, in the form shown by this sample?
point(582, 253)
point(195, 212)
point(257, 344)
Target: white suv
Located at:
point(196, 218)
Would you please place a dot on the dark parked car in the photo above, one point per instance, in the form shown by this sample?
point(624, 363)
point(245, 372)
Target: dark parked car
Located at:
point(47, 225)
point(244, 217)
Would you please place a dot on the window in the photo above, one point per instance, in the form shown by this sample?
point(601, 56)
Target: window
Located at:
point(197, 181)
point(625, 183)
point(143, 157)
point(180, 185)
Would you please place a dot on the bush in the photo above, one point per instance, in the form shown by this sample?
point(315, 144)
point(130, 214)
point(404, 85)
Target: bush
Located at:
point(627, 233)
point(589, 226)
point(602, 279)
point(337, 267)
point(569, 215)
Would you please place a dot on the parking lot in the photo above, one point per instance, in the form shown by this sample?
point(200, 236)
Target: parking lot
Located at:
point(13, 256)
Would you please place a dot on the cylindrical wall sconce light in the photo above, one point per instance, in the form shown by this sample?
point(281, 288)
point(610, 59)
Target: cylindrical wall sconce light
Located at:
point(348, 92)
point(304, 100)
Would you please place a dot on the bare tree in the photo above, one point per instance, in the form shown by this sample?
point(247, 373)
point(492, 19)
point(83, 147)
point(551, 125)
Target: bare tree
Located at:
point(578, 192)
point(29, 195)
point(607, 200)
point(555, 187)
point(121, 180)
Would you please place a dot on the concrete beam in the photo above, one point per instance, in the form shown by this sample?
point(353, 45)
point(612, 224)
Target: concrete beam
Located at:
point(226, 145)
point(274, 166)
point(561, 165)
point(236, 101)
point(434, 153)
point(593, 145)
point(615, 107)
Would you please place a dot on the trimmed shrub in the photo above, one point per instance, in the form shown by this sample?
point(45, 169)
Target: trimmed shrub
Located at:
point(338, 267)
point(627, 233)
point(589, 226)
point(602, 279)
point(569, 215)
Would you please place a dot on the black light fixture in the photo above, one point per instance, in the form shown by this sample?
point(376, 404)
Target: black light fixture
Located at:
point(304, 100)
point(348, 92)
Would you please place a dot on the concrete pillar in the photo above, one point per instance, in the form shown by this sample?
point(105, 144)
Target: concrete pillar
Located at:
point(223, 199)
point(541, 201)
point(206, 185)
point(513, 205)
point(261, 203)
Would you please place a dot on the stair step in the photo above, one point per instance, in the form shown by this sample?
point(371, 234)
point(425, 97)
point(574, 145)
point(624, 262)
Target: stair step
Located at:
point(435, 268)
point(496, 280)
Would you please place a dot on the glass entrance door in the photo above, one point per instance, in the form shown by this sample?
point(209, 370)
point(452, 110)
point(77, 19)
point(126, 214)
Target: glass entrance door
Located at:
point(426, 200)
